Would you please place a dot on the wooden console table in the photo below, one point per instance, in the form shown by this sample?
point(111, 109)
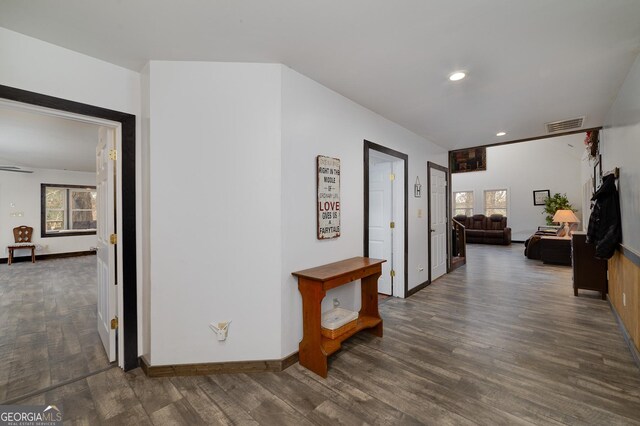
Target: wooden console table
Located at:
point(313, 285)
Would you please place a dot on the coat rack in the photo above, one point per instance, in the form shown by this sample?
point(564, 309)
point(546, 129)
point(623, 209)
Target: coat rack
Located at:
point(615, 172)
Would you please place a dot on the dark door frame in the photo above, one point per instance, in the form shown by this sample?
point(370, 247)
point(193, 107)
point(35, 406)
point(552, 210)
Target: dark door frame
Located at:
point(127, 210)
point(368, 146)
point(447, 177)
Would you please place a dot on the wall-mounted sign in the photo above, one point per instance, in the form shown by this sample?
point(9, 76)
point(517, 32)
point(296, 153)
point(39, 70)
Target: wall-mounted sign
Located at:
point(328, 197)
point(417, 188)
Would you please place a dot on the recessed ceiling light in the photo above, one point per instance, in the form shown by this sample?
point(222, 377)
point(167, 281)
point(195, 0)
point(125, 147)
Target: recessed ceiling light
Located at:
point(501, 133)
point(458, 75)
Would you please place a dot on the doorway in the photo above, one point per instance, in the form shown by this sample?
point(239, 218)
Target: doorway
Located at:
point(438, 220)
point(385, 215)
point(126, 268)
point(51, 329)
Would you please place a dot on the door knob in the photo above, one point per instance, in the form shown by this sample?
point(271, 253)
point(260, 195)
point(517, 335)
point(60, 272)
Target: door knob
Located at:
point(433, 230)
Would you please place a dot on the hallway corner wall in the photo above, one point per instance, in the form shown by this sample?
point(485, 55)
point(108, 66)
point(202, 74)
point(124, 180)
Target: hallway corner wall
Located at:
point(620, 148)
point(318, 121)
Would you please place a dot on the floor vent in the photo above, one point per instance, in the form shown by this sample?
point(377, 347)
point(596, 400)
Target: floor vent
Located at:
point(564, 125)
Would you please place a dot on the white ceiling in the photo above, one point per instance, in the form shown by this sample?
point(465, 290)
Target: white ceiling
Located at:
point(34, 140)
point(528, 61)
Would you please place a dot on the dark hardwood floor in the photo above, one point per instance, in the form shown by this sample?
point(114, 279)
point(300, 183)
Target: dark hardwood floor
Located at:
point(500, 341)
point(48, 324)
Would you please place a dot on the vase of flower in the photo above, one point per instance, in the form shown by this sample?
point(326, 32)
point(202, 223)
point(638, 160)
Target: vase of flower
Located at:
point(591, 142)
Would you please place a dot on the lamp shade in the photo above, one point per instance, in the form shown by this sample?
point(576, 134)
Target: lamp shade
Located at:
point(565, 216)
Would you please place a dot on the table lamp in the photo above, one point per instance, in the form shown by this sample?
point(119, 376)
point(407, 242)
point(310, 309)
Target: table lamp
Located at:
point(566, 216)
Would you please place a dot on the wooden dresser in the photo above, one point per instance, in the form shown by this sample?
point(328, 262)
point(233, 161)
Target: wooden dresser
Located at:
point(589, 273)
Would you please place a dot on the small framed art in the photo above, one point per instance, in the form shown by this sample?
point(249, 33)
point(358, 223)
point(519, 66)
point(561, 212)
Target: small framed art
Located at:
point(597, 173)
point(540, 196)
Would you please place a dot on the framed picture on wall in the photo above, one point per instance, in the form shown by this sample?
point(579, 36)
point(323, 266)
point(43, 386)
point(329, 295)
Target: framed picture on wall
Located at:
point(468, 160)
point(540, 196)
point(328, 173)
point(597, 173)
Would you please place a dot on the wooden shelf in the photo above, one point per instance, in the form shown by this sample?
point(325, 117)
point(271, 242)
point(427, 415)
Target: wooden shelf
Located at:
point(313, 284)
point(329, 346)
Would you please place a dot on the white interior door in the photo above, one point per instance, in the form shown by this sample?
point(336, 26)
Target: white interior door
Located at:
point(106, 251)
point(397, 233)
point(380, 218)
point(438, 225)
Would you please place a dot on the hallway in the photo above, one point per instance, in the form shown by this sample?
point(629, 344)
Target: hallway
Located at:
point(501, 340)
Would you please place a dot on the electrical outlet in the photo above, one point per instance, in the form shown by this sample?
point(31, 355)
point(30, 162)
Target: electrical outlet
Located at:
point(419, 213)
point(221, 329)
point(624, 299)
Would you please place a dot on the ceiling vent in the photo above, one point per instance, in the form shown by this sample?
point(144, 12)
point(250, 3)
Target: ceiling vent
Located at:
point(564, 125)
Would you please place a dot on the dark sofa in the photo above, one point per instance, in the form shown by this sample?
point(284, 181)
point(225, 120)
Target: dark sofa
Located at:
point(486, 230)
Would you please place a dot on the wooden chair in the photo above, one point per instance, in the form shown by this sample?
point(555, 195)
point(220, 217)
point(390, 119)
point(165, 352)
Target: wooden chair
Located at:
point(22, 236)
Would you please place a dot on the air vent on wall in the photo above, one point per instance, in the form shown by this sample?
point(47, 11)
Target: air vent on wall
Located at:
point(14, 169)
point(564, 125)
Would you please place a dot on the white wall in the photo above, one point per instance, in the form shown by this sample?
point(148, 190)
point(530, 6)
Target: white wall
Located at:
point(215, 173)
point(23, 191)
point(41, 67)
point(522, 168)
point(621, 148)
point(318, 121)
point(146, 202)
point(31, 64)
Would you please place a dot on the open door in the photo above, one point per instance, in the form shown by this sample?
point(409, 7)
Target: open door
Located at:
point(105, 206)
point(438, 222)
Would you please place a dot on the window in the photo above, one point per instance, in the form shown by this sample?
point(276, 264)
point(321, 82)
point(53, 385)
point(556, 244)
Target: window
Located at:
point(67, 210)
point(495, 202)
point(463, 203)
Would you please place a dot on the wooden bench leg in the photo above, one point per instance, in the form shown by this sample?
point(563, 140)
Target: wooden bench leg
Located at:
point(33, 255)
point(310, 352)
point(10, 256)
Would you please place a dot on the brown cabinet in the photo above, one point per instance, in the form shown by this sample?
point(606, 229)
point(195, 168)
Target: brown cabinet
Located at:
point(589, 273)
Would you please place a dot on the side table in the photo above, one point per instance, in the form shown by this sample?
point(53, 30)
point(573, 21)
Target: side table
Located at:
point(313, 285)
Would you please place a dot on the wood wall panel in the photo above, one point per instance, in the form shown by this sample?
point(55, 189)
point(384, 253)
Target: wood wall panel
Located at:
point(624, 278)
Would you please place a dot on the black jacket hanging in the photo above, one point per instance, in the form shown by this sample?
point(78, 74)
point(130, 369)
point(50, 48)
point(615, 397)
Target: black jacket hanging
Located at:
point(605, 230)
